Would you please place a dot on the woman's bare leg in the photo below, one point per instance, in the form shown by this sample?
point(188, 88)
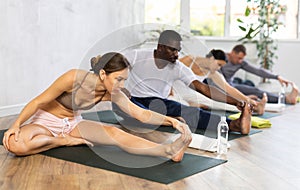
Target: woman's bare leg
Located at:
point(35, 138)
point(150, 134)
point(98, 133)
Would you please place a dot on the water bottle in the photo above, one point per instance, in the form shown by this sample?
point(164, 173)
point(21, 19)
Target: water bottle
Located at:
point(222, 136)
point(281, 96)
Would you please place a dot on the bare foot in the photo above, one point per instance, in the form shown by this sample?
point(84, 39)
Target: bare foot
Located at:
point(260, 108)
point(179, 156)
point(243, 123)
point(291, 98)
point(178, 147)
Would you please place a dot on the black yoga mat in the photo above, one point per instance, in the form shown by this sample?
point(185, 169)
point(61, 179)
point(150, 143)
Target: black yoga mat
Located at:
point(146, 167)
point(213, 134)
point(109, 116)
point(266, 115)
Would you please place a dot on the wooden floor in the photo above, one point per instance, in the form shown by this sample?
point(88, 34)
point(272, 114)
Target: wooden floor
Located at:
point(267, 160)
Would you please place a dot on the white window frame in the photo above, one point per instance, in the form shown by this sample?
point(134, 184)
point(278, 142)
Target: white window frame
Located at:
point(185, 18)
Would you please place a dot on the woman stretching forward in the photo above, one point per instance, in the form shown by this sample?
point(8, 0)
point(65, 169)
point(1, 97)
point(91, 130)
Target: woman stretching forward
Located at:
point(56, 119)
point(207, 68)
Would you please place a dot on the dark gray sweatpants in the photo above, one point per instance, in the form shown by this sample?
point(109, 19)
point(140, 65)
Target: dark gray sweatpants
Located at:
point(250, 90)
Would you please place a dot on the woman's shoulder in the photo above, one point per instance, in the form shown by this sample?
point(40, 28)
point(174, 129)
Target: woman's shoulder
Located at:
point(76, 73)
point(73, 75)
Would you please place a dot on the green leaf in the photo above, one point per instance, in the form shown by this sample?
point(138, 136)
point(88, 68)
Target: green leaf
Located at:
point(239, 20)
point(242, 28)
point(247, 11)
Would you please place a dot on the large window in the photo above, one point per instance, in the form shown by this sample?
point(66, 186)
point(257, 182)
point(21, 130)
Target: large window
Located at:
point(207, 17)
point(290, 19)
point(216, 17)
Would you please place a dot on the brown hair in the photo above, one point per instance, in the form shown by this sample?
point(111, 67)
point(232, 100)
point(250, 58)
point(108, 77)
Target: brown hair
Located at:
point(109, 62)
point(239, 48)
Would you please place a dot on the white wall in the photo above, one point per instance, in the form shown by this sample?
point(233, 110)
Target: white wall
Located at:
point(41, 39)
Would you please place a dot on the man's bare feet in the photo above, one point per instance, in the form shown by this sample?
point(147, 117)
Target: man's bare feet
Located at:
point(243, 123)
point(291, 98)
point(178, 147)
point(260, 107)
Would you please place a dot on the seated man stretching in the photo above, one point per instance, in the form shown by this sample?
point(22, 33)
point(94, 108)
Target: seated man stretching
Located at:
point(152, 75)
point(236, 61)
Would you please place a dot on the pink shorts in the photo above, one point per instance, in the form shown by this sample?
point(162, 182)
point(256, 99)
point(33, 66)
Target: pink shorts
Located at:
point(55, 124)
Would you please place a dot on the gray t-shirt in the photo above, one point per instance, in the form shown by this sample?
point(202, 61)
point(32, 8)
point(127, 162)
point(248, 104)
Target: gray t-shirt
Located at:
point(229, 69)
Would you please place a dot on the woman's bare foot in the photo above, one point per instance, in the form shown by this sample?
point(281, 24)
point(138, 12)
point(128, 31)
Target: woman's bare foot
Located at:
point(260, 108)
point(179, 156)
point(291, 98)
point(243, 123)
point(178, 147)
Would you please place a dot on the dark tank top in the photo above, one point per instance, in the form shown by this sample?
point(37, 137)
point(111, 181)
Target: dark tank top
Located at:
point(82, 96)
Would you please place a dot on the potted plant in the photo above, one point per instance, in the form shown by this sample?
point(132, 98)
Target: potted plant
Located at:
point(264, 22)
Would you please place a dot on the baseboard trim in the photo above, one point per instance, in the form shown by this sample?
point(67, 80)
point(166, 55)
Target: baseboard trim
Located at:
point(11, 110)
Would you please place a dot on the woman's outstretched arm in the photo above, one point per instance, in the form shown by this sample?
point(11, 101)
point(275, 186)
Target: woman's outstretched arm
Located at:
point(220, 81)
point(148, 116)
